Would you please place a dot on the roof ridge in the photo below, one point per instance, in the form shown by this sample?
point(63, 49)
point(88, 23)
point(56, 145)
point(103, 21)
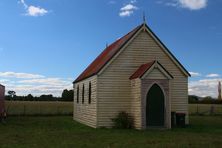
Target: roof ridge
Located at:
point(109, 52)
point(106, 55)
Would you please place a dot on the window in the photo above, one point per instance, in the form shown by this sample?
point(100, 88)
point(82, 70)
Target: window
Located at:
point(77, 94)
point(90, 91)
point(83, 91)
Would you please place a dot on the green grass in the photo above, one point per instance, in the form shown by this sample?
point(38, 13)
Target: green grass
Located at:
point(56, 132)
point(38, 108)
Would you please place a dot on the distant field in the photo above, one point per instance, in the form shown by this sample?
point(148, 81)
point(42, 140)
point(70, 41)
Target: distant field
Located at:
point(63, 132)
point(66, 108)
point(39, 108)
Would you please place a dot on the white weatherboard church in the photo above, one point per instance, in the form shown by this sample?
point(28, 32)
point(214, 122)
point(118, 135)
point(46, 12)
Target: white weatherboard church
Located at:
point(136, 74)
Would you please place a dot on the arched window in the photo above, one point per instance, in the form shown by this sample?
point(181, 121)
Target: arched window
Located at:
point(83, 91)
point(77, 100)
point(90, 92)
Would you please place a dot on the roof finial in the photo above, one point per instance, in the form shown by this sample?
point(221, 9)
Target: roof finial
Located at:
point(144, 18)
point(107, 45)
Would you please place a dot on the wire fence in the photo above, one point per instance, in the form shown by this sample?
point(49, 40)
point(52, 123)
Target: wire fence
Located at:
point(205, 109)
point(28, 108)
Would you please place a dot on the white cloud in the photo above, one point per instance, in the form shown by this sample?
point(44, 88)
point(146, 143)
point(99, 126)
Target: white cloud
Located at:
point(45, 81)
point(125, 13)
point(193, 4)
point(172, 4)
point(159, 2)
point(188, 4)
point(4, 81)
point(213, 75)
point(128, 9)
point(133, 1)
point(195, 74)
point(20, 75)
point(112, 2)
point(24, 4)
point(25, 83)
point(205, 87)
point(36, 11)
point(33, 10)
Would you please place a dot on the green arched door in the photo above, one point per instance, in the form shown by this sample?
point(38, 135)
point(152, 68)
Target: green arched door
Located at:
point(155, 107)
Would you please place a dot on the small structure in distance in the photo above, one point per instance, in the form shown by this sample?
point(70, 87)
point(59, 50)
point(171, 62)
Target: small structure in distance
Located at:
point(219, 91)
point(2, 99)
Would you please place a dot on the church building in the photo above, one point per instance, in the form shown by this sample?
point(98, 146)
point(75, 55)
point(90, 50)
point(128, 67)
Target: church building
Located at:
point(137, 74)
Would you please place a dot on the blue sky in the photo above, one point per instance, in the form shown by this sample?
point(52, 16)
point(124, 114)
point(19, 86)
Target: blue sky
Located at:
point(45, 45)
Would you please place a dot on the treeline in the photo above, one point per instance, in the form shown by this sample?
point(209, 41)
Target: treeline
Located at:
point(203, 100)
point(67, 95)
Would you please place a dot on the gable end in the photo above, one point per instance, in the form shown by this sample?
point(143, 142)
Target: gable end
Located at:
point(168, 51)
point(112, 51)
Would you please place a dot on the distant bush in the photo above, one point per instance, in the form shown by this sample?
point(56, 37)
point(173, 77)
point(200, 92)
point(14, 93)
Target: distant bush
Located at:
point(193, 99)
point(212, 101)
point(67, 95)
point(203, 100)
point(123, 121)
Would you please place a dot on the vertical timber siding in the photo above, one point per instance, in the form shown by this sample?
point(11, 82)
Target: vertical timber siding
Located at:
point(156, 74)
point(84, 112)
point(114, 88)
point(136, 106)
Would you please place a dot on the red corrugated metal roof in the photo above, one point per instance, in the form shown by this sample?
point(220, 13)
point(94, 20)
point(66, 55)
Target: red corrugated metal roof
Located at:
point(113, 49)
point(141, 70)
point(106, 55)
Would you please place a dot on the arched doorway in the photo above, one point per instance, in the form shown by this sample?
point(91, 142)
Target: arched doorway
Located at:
point(155, 107)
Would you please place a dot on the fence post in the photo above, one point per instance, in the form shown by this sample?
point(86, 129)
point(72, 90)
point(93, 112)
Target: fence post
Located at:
point(197, 110)
point(212, 110)
point(24, 110)
point(7, 110)
point(57, 109)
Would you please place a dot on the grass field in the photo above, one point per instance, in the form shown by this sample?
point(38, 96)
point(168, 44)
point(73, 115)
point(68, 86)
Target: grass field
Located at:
point(39, 108)
point(60, 131)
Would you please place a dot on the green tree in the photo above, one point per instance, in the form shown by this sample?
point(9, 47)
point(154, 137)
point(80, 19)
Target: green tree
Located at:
point(193, 99)
point(67, 95)
point(46, 98)
point(11, 93)
point(30, 97)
